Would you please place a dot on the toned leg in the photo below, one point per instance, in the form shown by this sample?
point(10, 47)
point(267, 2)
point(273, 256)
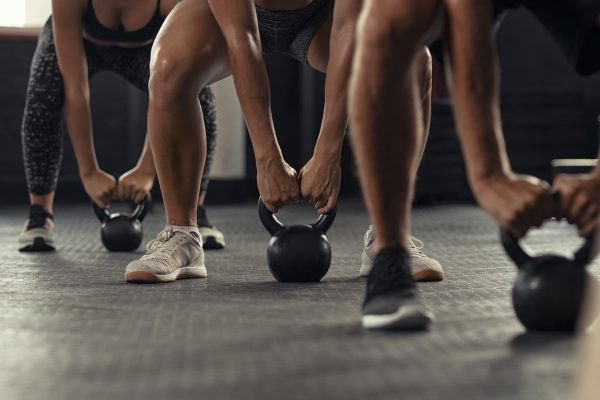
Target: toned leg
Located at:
point(189, 54)
point(387, 111)
point(387, 116)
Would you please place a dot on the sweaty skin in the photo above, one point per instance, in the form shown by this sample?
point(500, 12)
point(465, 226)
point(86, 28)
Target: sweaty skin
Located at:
point(69, 33)
point(385, 109)
point(206, 40)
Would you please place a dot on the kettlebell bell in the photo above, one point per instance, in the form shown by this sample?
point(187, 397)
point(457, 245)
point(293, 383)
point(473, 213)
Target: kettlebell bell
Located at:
point(122, 231)
point(297, 253)
point(549, 291)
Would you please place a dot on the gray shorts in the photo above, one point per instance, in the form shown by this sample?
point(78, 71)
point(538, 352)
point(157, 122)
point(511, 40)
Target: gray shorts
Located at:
point(290, 32)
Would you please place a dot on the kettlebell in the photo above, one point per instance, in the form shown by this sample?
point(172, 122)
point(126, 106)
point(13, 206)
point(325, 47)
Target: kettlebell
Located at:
point(297, 253)
point(122, 231)
point(549, 291)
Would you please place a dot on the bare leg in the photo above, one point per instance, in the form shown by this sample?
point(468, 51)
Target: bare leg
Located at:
point(387, 116)
point(189, 54)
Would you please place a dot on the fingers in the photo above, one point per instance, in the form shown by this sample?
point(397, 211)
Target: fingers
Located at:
point(123, 190)
point(139, 196)
point(567, 186)
point(329, 206)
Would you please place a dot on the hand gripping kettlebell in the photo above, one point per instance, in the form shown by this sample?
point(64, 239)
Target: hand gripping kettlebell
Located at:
point(549, 291)
point(122, 231)
point(297, 253)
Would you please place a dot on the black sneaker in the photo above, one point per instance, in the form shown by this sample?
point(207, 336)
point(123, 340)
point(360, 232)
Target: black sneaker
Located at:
point(212, 238)
point(37, 231)
point(392, 301)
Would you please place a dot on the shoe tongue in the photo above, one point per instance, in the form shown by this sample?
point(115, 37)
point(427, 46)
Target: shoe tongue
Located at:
point(37, 217)
point(187, 230)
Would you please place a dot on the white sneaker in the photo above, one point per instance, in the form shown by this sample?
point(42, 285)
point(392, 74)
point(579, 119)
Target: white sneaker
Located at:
point(424, 269)
point(37, 231)
point(174, 254)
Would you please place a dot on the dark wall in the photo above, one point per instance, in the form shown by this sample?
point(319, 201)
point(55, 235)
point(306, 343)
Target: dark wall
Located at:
point(548, 112)
point(119, 120)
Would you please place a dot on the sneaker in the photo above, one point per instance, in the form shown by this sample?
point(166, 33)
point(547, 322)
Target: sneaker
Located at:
point(424, 269)
point(392, 301)
point(175, 254)
point(212, 238)
point(37, 231)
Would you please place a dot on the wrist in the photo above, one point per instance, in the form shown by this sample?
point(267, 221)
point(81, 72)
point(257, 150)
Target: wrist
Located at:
point(146, 168)
point(328, 150)
point(88, 171)
point(267, 152)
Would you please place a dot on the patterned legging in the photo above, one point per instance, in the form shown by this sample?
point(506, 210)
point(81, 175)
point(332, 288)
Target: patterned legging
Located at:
point(42, 137)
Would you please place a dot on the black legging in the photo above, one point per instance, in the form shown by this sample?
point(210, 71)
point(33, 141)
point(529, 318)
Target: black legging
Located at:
point(42, 138)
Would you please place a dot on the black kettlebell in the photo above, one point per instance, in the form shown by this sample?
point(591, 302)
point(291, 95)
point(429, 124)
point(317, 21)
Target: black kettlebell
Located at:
point(122, 231)
point(549, 291)
point(297, 253)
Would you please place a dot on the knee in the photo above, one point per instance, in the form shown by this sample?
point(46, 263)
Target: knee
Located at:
point(173, 79)
point(404, 28)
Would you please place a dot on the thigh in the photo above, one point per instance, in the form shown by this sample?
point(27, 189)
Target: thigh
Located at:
point(336, 33)
point(190, 42)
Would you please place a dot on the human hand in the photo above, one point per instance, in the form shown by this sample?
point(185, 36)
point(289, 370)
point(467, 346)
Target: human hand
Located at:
point(135, 185)
point(516, 202)
point(579, 200)
point(100, 186)
point(320, 181)
point(277, 183)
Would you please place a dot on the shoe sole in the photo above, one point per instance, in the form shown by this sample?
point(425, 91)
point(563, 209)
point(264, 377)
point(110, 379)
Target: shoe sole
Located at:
point(424, 275)
point(194, 272)
point(38, 245)
point(212, 243)
point(407, 318)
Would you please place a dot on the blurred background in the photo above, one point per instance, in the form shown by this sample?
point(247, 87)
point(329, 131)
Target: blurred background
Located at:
point(549, 112)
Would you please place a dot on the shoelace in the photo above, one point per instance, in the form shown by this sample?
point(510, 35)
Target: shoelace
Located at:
point(161, 239)
point(415, 247)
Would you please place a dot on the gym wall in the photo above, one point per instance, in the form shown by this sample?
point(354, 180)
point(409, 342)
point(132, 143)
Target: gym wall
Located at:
point(549, 112)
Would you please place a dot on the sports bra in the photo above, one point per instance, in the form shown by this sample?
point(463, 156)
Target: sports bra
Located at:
point(96, 30)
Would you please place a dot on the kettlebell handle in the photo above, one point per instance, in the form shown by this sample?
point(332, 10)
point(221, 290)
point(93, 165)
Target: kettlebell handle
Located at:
point(325, 221)
point(102, 213)
point(273, 225)
point(521, 256)
point(268, 219)
point(139, 212)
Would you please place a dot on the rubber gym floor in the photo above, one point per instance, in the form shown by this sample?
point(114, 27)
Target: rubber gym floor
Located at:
point(71, 328)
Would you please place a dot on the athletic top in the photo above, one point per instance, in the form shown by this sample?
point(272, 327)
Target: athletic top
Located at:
point(95, 29)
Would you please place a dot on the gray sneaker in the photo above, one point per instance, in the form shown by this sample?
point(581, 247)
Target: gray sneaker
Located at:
point(36, 235)
point(392, 300)
point(424, 269)
point(174, 254)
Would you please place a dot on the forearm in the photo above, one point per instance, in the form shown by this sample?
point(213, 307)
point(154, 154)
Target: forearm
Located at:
point(79, 121)
point(475, 81)
point(146, 160)
point(252, 86)
point(335, 113)
point(339, 68)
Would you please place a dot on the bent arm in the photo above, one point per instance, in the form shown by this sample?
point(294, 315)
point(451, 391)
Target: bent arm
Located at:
point(475, 80)
point(238, 23)
point(72, 62)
